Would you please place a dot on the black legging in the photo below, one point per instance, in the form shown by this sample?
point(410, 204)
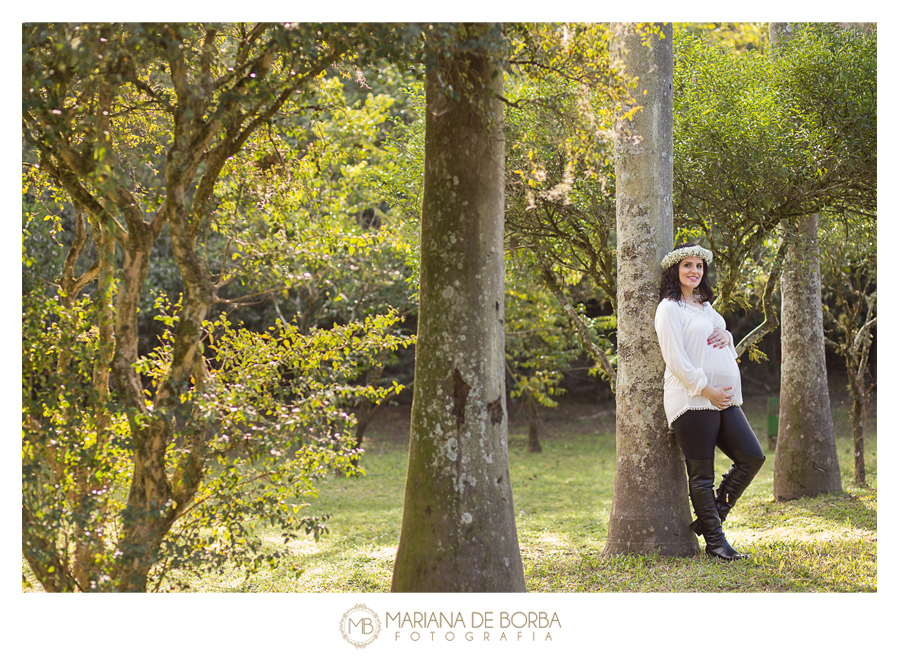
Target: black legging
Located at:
point(699, 431)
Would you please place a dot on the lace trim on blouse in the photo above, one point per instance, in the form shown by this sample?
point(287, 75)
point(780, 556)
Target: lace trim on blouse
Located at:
point(686, 409)
point(701, 311)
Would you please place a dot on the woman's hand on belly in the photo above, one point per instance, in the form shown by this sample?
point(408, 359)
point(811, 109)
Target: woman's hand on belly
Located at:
point(718, 338)
point(718, 395)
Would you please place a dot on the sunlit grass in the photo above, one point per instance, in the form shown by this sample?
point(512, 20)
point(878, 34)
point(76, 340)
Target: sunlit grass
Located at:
point(563, 497)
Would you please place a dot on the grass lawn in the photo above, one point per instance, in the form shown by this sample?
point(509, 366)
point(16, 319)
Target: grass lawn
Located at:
point(563, 497)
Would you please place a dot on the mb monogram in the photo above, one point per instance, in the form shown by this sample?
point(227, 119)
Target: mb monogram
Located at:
point(361, 625)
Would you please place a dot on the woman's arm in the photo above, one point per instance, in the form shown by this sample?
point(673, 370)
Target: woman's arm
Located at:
point(671, 342)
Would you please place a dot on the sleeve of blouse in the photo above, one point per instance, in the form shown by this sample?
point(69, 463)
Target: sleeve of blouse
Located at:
point(671, 342)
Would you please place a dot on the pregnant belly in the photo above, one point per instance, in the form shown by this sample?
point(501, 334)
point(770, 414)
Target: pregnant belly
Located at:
point(721, 368)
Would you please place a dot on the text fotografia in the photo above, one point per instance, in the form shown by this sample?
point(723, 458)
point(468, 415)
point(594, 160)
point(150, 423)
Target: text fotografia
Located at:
point(479, 626)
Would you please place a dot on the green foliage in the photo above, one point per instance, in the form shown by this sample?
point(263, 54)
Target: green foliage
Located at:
point(224, 165)
point(278, 407)
point(280, 399)
point(763, 137)
point(828, 78)
point(564, 92)
point(540, 344)
point(75, 446)
point(849, 266)
point(849, 263)
point(301, 217)
point(736, 36)
point(736, 165)
point(41, 247)
point(399, 179)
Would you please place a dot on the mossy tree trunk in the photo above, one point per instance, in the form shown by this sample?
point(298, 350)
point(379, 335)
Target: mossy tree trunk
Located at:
point(806, 460)
point(857, 425)
point(458, 532)
point(650, 511)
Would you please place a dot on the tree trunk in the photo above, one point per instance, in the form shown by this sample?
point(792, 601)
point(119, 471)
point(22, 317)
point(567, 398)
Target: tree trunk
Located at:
point(458, 532)
point(650, 511)
point(88, 536)
point(805, 455)
point(534, 443)
point(857, 418)
point(156, 498)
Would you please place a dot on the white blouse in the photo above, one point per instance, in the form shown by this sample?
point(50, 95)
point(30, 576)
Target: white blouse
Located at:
point(691, 363)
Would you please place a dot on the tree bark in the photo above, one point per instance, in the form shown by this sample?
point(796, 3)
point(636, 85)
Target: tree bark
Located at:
point(861, 345)
point(458, 532)
point(806, 460)
point(533, 443)
point(857, 420)
point(650, 511)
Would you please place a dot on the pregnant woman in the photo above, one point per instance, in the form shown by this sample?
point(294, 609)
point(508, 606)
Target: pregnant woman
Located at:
point(702, 393)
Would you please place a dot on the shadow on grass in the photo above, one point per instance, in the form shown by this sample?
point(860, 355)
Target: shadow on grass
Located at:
point(841, 507)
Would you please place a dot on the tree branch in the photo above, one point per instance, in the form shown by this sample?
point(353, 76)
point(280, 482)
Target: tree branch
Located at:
point(583, 330)
point(770, 321)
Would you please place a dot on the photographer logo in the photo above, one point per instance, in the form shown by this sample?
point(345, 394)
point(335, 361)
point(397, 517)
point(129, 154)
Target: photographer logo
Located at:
point(360, 626)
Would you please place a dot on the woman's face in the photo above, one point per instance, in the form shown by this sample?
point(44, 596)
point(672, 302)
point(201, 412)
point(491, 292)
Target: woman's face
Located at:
point(690, 271)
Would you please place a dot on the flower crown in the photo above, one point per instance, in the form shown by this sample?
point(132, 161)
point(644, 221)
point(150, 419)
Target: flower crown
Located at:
point(678, 255)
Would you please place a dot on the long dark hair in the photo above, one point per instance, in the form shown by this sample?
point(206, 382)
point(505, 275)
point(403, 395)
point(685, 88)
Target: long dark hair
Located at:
point(670, 286)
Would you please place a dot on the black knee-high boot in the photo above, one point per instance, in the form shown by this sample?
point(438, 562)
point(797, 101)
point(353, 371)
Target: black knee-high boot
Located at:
point(701, 476)
point(734, 483)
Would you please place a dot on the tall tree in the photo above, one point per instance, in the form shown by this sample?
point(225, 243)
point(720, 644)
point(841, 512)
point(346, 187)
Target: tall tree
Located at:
point(458, 531)
point(135, 127)
point(650, 511)
point(805, 454)
point(806, 460)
